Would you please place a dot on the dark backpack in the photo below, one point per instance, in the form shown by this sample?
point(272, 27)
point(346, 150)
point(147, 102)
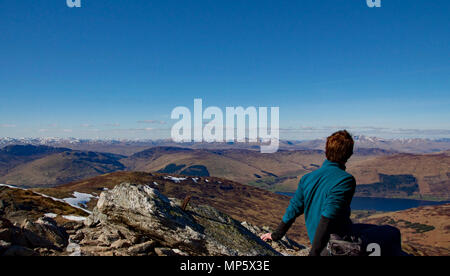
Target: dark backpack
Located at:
point(351, 246)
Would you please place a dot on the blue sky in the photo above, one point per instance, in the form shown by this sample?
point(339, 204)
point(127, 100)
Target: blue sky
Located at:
point(116, 69)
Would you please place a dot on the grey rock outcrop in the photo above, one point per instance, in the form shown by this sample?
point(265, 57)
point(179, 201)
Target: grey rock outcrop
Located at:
point(138, 220)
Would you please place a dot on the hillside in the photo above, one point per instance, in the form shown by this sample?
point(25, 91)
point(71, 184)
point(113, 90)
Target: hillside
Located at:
point(58, 168)
point(420, 175)
point(242, 166)
point(425, 230)
point(15, 155)
point(280, 171)
point(33, 224)
point(17, 205)
point(379, 173)
point(242, 202)
point(134, 219)
point(129, 220)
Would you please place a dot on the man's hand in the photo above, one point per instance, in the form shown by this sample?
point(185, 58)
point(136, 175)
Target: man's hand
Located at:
point(267, 237)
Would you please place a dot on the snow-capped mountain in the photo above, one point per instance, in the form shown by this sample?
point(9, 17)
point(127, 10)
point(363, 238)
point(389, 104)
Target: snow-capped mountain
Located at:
point(411, 145)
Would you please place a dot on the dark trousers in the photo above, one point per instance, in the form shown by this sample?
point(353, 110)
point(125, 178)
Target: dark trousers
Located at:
point(376, 240)
point(387, 237)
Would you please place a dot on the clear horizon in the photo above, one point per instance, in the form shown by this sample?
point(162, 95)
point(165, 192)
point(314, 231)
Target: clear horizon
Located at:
point(115, 70)
point(168, 138)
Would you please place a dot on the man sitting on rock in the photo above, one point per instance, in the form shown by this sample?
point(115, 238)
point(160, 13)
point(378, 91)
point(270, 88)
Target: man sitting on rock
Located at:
point(324, 197)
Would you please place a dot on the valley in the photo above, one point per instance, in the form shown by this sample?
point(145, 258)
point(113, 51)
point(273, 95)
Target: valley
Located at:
point(379, 173)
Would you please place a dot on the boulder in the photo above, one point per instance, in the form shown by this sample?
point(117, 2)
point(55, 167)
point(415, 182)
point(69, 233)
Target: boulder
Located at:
point(146, 211)
point(44, 233)
point(138, 220)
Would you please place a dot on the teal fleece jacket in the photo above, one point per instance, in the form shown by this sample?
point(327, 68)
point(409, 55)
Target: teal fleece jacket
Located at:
point(326, 192)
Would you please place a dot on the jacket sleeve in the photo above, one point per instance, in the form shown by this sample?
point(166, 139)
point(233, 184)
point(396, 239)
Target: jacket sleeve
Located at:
point(339, 198)
point(321, 237)
point(296, 206)
point(282, 230)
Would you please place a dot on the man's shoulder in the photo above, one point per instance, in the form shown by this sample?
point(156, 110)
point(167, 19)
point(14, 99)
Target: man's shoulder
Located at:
point(333, 175)
point(337, 176)
point(329, 170)
point(337, 171)
point(344, 180)
point(346, 175)
point(312, 175)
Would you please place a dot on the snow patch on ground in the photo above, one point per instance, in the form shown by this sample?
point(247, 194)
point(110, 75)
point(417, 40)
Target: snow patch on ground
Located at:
point(74, 218)
point(9, 186)
point(53, 198)
point(51, 215)
point(63, 201)
point(175, 179)
point(79, 199)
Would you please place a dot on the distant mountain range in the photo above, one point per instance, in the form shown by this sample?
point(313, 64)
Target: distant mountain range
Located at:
point(128, 147)
point(414, 145)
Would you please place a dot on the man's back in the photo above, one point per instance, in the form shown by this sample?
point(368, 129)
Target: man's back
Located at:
point(324, 196)
point(326, 192)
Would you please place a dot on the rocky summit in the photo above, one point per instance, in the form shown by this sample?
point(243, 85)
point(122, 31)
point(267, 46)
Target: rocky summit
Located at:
point(137, 220)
